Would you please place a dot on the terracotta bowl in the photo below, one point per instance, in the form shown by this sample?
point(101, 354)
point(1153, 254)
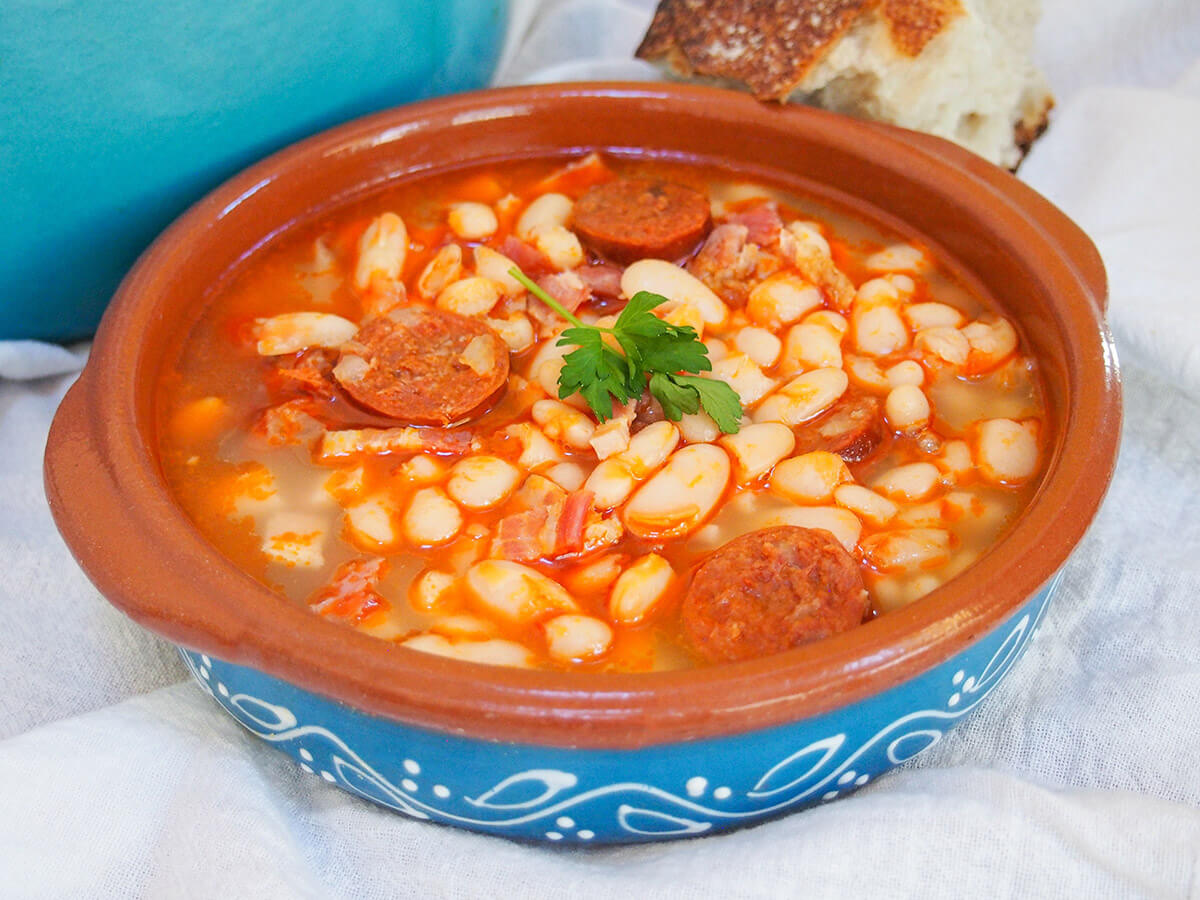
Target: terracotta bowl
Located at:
point(592, 758)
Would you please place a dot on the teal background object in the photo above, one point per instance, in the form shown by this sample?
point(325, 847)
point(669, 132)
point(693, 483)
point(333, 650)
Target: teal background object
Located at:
point(115, 115)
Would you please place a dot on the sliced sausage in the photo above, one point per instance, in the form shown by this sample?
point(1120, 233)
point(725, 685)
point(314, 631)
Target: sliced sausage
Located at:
point(852, 428)
point(635, 218)
point(772, 590)
point(423, 366)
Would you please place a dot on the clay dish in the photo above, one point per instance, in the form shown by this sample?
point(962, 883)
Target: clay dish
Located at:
point(619, 757)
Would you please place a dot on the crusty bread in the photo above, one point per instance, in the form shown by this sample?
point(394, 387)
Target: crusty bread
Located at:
point(960, 69)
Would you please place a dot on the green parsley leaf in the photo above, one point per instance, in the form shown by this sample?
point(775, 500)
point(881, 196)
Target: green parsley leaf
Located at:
point(653, 354)
point(719, 400)
point(676, 399)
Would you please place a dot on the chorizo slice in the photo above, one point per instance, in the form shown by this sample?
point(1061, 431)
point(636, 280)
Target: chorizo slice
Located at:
point(634, 218)
point(423, 366)
point(772, 590)
point(852, 428)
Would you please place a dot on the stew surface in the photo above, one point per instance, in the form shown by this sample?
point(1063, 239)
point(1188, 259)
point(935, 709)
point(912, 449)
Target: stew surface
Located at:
point(366, 418)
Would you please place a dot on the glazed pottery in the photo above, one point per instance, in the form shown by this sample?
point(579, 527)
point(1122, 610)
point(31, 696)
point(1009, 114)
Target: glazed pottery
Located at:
point(114, 117)
point(590, 758)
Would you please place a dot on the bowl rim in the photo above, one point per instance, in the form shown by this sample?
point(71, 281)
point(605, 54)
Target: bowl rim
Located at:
point(157, 567)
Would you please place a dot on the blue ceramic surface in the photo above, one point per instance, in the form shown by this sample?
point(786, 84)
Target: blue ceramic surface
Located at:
point(586, 796)
point(115, 116)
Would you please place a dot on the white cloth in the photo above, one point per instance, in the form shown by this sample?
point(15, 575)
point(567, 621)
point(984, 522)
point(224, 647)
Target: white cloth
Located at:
point(1080, 777)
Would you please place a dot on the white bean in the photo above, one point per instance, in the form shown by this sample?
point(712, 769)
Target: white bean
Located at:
point(639, 589)
point(516, 331)
point(381, 251)
point(445, 268)
point(682, 495)
point(370, 522)
point(492, 264)
point(295, 539)
point(422, 469)
point(564, 423)
point(474, 296)
point(1006, 452)
point(289, 332)
point(804, 397)
point(431, 518)
point(810, 478)
point(472, 221)
point(717, 348)
point(650, 447)
point(865, 503)
point(464, 627)
point(683, 315)
point(866, 372)
point(537, 449)
point(906, 407)
point(698, 428)
point(990, 343)
point(782, 299)
point(944, 342)
point(808, 234)
point(914, 481)
point(576, 638)
point(610, 438)
point(742, 374)
point(829, 319)
point(567, 475)
point(560, 246)
point(811, 346)
point(878, 330)
point(482, 482)
point(547, 211)
point(909, 550)
point(669, 280)
point(841, 523)
point(516, 593)
point(757, 448)
point(955, 459)
point(494, 652)
point(760, 345)
point(428, 591)
point(907, 371)
point(933, 315)
point(610, 483)
point(897, 258)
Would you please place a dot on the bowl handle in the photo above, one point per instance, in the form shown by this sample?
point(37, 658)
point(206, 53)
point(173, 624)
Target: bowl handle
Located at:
point(1059, 228)
point(92, 510)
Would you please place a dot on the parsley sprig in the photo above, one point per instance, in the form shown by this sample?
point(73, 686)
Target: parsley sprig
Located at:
point(652, 353)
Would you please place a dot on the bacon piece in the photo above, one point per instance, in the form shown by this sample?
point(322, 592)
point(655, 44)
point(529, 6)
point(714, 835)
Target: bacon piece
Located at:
point(565, 287)
point(576, 176)
point(306, 373)
point(552, 525)
point(529, 259)
point(602, 279)
point(350, 596)
point(812, 260)
point(292, 422)
point(761, 220)
point(377, 441)
point(729, 264)
point(569, 537)
point(519, 536)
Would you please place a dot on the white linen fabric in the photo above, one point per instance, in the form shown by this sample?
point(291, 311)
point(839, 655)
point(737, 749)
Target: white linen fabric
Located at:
point(1080, 776)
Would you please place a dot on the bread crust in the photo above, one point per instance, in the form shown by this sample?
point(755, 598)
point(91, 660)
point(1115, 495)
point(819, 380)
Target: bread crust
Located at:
point(770, 45)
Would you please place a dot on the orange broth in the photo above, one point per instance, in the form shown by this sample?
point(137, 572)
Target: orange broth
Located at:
point(241, 487)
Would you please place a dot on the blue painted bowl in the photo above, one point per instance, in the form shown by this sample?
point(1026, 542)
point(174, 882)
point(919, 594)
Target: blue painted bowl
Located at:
point(598, 796)
point(115, 117)
point(593, 758)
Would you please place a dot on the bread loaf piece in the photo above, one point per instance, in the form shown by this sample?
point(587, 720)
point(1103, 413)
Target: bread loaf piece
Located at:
point(959, 69)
